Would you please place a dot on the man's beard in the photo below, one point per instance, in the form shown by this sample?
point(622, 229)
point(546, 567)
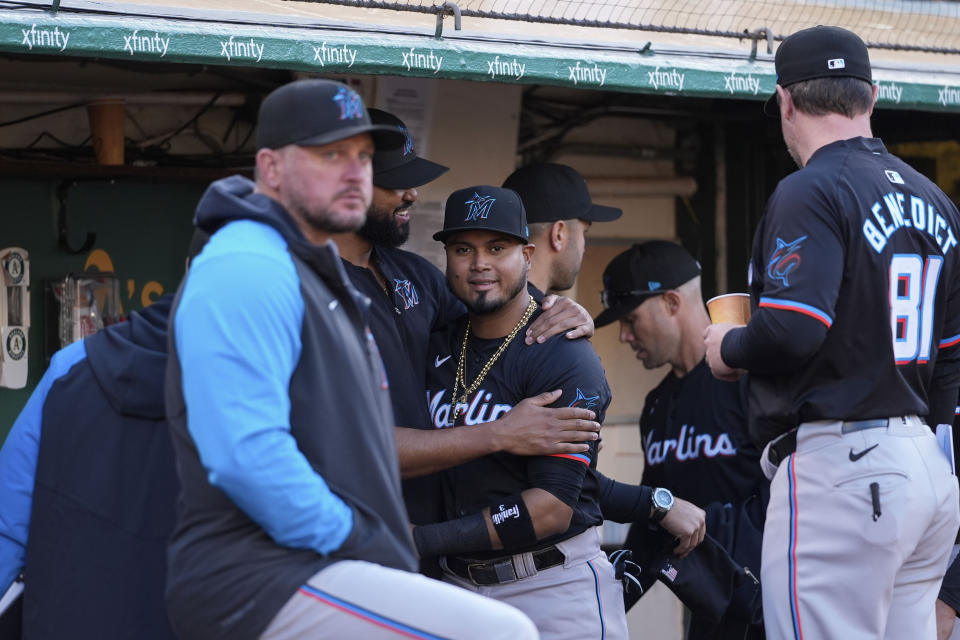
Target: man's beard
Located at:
point(381, 230)
point(482, 306)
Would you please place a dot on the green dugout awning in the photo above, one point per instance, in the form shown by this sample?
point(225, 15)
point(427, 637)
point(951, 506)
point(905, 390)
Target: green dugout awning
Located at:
point(220, 38)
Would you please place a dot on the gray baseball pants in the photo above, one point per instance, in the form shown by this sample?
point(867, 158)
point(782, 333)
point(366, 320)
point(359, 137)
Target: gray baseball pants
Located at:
point(355, 599)
point(858, 533)
point(578, 600)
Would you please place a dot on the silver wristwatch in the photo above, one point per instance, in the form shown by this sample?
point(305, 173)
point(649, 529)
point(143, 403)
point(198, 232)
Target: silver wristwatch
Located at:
point(662, 501)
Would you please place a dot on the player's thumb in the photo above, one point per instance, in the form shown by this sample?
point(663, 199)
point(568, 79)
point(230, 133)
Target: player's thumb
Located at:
point(545, 398)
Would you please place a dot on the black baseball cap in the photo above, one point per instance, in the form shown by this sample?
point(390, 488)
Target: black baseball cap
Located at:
point(556, 192)
point(400, 167)
point(819, 52)
point(484, 208)
point(642, 271)
point(317, 112)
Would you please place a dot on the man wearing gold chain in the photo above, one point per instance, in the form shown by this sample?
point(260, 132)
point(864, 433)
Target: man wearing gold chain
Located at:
point(519, 529)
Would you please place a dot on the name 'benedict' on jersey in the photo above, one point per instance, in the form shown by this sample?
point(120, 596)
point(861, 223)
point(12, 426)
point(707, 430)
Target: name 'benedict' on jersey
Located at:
point(856, 236)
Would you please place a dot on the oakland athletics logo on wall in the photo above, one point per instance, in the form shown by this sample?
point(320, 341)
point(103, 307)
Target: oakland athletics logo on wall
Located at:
point(16, 344)
point(14, 266)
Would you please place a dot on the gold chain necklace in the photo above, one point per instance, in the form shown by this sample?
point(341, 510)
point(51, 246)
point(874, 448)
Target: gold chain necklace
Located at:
point(461, 379)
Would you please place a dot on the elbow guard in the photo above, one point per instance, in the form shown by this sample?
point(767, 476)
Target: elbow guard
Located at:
point(513, 523)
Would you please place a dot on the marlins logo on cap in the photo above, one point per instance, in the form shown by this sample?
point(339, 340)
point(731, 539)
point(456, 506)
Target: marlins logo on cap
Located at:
point(408, 143)
point(478, 206)
point(401, 168)
point(318, 112)
point(351, 106)
point(484, 208)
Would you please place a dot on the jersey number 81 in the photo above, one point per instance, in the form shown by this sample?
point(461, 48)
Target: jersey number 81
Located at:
point(913, 292)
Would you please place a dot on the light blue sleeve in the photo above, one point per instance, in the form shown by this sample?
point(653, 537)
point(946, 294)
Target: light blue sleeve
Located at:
point(18, 467)
point(238, 330)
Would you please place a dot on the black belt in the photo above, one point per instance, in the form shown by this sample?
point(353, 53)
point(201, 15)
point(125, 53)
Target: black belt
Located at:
point(501, 570)
point(782, 448)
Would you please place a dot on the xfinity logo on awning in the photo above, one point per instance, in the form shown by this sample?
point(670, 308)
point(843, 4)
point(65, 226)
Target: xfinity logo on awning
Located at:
point(136, 43)
point(414, 60)
point(334, 55)
point(498, 67)
point(45, 38)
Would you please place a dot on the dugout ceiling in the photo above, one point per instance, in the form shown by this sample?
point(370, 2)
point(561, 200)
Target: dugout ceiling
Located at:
point(322, 38)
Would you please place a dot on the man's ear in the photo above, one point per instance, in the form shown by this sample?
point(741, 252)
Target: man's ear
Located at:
point(873, 102)
point(268, 167)
point(559, 233)
point(528, 250)
point(671, 301)
point(785, 101)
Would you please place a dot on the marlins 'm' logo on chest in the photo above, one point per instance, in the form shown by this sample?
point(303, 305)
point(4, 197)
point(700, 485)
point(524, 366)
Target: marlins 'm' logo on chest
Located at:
point(407, 293)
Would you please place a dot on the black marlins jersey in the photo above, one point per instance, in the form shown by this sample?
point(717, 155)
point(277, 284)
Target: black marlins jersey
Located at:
point(694, 435)
point(521, 371)
point(417, 301)
point(864, 244)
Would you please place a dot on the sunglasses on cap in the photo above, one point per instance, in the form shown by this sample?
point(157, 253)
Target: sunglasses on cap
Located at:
point(611, 299)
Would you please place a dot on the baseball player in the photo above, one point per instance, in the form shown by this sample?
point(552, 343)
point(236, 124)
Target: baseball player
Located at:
point(693, 427)
point(291, 522)
point(559, 212)
point(519, 529)
point(854, 340)
point(409, 297)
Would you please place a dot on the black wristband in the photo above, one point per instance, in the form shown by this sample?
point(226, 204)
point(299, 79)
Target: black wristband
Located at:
point(512, 522)
point(462, 535)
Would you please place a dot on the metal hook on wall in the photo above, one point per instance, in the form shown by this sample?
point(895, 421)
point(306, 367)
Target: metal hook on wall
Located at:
point(763, 33)
point(63, 231)
point(447, 7)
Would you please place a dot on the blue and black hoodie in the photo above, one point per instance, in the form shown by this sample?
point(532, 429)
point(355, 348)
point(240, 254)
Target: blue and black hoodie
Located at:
point(88, 488)
point(280, 413)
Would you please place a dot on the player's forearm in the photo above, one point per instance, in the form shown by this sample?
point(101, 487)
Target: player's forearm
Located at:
point(517, 522)
point(427, 451)
point(942, 403)
point(621, 502)
point(548, 516)
point(774, 342)
point(268, 477)
point(942, 396)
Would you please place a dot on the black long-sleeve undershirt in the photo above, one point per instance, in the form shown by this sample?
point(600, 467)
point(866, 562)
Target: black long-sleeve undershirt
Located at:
point(775, 341)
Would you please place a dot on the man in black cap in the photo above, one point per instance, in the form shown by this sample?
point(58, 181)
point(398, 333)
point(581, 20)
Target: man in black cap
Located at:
point(853, 349)
point(521, 529)
point(559, 212)
point(409, 299)
point(291, 522)
point(693, 428)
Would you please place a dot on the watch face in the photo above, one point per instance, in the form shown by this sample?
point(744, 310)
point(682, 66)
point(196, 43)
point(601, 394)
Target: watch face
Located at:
point(662, 498)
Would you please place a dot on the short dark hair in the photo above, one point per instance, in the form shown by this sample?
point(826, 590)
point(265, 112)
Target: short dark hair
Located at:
point(847, 96)
point(536, 228)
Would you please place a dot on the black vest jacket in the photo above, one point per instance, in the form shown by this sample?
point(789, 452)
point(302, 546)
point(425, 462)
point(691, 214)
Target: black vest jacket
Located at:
point(226, 577)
